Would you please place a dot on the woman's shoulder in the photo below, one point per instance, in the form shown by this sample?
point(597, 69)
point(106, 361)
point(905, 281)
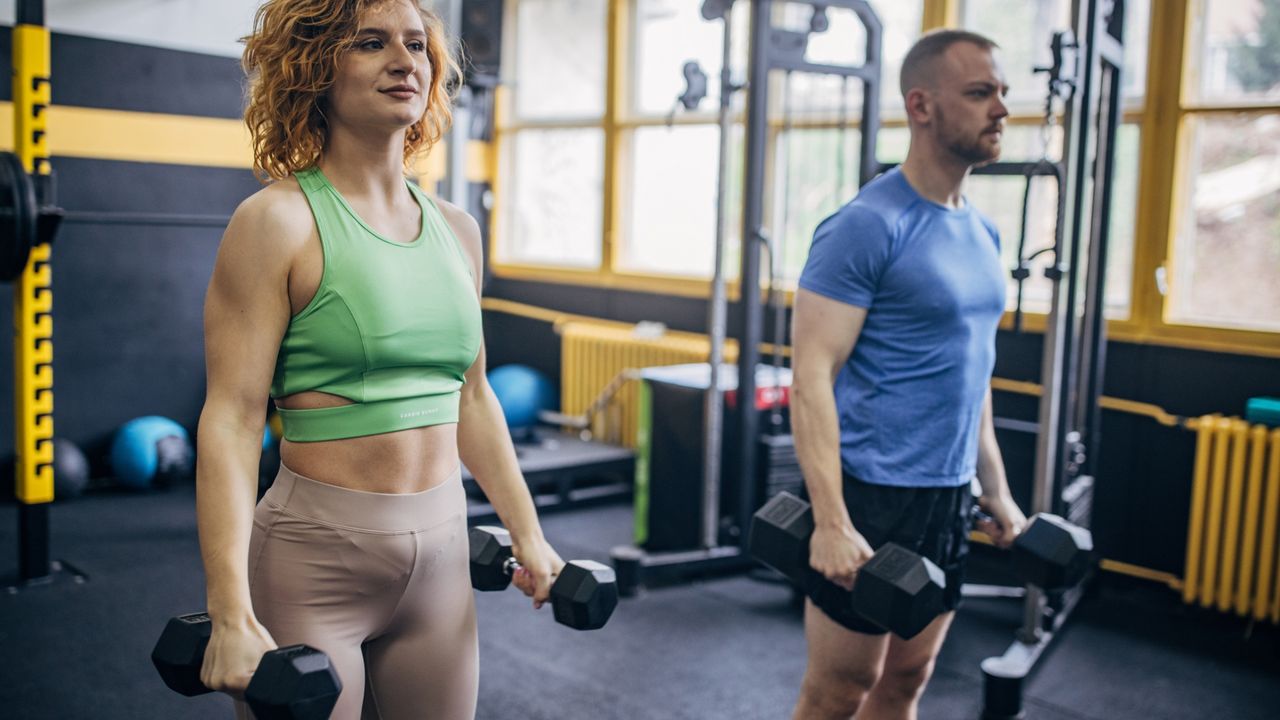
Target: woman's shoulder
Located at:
point(270, 226)
point(279, 203)
point(278, 211)
point(463, 225)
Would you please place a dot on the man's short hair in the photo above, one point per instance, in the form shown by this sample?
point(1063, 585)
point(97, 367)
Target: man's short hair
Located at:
point(920, 59)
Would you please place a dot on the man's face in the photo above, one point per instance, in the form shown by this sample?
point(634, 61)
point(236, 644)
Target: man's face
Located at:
point(969, 109)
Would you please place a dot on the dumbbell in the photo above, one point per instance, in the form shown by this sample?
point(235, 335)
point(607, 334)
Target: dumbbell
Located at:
point(582, 597)
point(296, 682)
point(1050, 553)
point(896, 589)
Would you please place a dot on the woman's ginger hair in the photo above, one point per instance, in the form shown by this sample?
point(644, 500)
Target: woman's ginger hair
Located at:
point(291, 60)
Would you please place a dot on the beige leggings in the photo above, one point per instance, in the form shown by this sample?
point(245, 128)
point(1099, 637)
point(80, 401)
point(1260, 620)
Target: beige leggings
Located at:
point(379, 582)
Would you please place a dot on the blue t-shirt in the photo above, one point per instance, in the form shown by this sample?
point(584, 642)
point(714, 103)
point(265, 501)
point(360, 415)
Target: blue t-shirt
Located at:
point(910, 396)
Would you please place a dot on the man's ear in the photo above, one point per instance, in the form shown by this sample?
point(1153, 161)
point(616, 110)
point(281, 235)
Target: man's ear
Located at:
point(919, 105)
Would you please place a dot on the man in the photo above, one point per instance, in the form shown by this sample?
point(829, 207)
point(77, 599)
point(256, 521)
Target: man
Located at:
point(897, 308)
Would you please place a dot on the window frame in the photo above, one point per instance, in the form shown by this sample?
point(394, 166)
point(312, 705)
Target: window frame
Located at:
point(1163, 119)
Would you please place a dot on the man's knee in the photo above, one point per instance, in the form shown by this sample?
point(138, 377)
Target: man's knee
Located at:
point(839, 693)
point(906, 681)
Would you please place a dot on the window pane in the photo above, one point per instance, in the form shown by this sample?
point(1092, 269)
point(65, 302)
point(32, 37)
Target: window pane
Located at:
point(559, 68)
point(1226, 255)
point(671, 216)
point(901, 22)
point(844, 43)
point(1022, 28)
point(821, 175)
point(1124, 203)
point(1137, 33)
point(670, 32)
point(1000, 198)
point(1235, 54)
point(553, 202)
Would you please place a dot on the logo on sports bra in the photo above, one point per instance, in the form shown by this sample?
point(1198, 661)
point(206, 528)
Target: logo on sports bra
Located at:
point(418, 413)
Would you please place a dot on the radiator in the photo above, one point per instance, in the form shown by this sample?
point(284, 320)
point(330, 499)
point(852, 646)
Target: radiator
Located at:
point(1232, 560)
point(600, 357)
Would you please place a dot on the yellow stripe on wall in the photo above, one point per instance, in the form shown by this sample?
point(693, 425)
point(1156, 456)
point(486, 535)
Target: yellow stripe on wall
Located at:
point(142, 137)
point(179, 139)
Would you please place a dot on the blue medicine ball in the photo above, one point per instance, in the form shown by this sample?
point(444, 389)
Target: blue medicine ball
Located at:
point(150, 449)
point(522, 392)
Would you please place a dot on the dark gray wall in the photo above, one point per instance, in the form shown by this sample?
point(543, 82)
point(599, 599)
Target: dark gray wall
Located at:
point(128, 298)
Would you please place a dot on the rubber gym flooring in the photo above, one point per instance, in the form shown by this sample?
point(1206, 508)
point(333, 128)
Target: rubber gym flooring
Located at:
point(723, 648)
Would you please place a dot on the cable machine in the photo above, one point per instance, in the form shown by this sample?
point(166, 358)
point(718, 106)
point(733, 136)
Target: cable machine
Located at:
point(1074, 350)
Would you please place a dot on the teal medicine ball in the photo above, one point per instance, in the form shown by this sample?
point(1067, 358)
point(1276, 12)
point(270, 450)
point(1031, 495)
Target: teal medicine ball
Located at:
point(151, 450)
point(522, 392)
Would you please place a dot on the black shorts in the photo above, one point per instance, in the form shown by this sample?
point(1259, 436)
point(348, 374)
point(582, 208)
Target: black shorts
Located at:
point(932, 521)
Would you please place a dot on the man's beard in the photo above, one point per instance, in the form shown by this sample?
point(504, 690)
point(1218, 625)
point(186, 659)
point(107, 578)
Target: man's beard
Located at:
point(971, 150)
point(974, 152)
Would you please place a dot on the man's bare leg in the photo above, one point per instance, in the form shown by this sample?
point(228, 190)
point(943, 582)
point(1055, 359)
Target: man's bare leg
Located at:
point(907, 667)
point(843, 667)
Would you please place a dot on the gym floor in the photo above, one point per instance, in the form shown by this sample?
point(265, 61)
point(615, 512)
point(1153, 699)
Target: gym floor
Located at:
point(723, 648)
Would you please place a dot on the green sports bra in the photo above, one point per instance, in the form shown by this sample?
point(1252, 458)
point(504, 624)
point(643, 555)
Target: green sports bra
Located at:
point(393, 326)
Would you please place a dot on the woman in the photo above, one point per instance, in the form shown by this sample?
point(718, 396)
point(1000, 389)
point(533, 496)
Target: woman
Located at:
point(350, 297)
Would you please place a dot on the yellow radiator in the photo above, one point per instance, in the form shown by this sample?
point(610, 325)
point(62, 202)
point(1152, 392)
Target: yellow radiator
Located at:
point(1232, 558)
point(597, 357)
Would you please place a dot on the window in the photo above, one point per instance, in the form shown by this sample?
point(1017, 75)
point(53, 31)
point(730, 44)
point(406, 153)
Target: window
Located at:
point(1223, 266)
point(816, 136)
point(669, 203)
point(600, 173)
point(561, 147)
point(1023, 28)
point(550, 211)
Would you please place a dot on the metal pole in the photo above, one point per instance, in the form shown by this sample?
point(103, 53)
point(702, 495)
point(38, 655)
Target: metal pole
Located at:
point(33, 304)
point(757, 139)
point(713, 405)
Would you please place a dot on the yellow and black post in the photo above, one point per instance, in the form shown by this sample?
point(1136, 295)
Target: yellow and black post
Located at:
point(33, 301)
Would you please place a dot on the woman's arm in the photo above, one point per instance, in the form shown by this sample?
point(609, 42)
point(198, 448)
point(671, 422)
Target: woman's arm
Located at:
point(245, 316)
point(484, 444)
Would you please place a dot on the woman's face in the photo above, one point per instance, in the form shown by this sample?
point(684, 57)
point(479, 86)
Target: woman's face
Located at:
point(383, 80)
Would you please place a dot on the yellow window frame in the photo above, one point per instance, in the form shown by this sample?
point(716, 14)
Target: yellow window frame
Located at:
point(1162, 119)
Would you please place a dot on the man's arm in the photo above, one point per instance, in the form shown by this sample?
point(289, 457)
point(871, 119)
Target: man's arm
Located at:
point(996, 499)
point(823, 333)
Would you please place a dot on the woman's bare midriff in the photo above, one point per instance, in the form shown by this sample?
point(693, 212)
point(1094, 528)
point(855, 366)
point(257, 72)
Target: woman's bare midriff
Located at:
point(405, 461)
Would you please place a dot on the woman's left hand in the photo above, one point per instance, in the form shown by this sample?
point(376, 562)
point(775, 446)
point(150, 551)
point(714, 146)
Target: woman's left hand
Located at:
point(1007, 520)
point(539, 567)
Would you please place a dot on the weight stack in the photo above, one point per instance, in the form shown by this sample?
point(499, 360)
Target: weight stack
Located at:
point(778, 466)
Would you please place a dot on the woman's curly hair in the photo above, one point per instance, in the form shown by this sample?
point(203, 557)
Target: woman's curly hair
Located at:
point(291, 59)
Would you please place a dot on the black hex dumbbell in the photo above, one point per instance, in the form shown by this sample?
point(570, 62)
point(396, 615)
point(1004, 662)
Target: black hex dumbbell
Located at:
point(896, 589)
point(296, 682)
point(582, 597)
point(1051, 553)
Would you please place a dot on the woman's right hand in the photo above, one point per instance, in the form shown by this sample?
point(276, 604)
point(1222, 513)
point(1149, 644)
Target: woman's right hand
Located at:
point(837, 552)
point(233, 654)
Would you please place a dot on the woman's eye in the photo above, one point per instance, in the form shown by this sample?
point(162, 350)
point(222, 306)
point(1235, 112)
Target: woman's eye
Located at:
point(416, 46)
point(371, 44)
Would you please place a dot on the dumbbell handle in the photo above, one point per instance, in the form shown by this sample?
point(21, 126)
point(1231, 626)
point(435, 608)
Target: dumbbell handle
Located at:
point(510, 565)
point(980, 515)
